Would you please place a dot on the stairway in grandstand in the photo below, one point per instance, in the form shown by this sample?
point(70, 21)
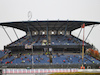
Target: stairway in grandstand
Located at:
point(24, 40)
point(49, 39)
point(19, 41)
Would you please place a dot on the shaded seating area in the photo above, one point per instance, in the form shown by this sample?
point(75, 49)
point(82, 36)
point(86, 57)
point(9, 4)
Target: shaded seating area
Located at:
point(36, 40)
point(64, 40)
point(55, 40)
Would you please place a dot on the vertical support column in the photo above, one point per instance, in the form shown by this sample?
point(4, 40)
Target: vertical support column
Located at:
point(30, 16)
point(57, 32)
point(47, 33)
point(30, 32)
point(83, 48)
point(38, 32)
point(65, 30)
point(7, 33)
point(31, 46)
point(83, 26)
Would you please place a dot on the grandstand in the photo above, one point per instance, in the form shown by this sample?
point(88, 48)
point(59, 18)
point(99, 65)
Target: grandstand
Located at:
point(48, 44)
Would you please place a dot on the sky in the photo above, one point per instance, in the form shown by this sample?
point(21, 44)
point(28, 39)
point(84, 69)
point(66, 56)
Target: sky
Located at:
point(82, 10)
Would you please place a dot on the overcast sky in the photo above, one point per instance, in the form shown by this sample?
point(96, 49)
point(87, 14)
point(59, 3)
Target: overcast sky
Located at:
point(17, 10)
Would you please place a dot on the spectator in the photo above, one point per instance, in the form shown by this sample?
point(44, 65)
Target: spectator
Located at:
point(64, 61)
point(28, 53)
point(48, 60)
point(28, 59)
point(82, 67)
point(5, 62)
point(23, 61)
point(41, 58)
point(50, 50)
point(11, 62)
point(93, 62)
point(25, 57)
point(36, 58)
point(46, 53)
point(54, 56)
point(21, 58)
point(58, 54)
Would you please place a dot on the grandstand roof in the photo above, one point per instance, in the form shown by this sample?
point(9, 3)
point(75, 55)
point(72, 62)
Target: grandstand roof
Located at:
point(52, 25)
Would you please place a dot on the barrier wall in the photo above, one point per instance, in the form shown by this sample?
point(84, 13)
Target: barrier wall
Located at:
point(22, 71)
point(14, 71)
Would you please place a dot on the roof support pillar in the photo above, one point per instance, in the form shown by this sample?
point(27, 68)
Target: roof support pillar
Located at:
point(57, 32)
point(30, 32)
point(79, 32)
point(32, 45)
point(7, 33)
point(47, 33)
point(38, 32)
point(89, 32)
point(15, 33)
point(65, 30)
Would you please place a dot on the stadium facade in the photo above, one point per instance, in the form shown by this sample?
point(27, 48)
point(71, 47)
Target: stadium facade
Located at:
point(47, 44)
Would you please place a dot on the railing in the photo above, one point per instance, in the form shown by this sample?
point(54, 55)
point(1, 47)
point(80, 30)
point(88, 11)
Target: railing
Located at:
point(93, 66)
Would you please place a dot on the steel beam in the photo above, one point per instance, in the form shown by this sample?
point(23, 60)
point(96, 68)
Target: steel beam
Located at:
point(89, 32)
point(65, 30)
point(15, 33)
point(47, 32)
point(39, 25)
point(79, 32)
point(7, 33)
point(32, 45)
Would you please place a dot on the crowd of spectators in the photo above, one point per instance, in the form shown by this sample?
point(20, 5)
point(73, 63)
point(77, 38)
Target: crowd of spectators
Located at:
point(46, 57)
